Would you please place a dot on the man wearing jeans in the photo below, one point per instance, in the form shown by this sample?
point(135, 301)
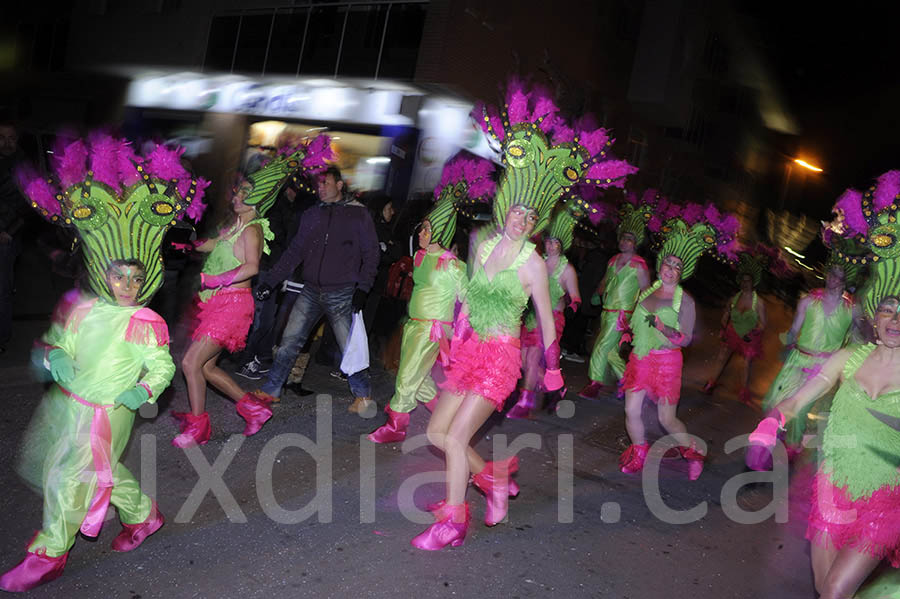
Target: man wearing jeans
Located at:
point(337, 250)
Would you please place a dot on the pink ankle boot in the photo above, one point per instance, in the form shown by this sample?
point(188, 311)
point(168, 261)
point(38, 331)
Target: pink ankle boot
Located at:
point(36, 569)
point(523, 407)
point(133, 535)
point(496, 484)
point(255, 410)
point(695, 461)
point(393, 430)
point(195, 430)
point(632, 459)
point(591, 390)
point(450, 525)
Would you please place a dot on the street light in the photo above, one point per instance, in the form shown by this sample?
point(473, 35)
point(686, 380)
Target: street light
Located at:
point(787, 178)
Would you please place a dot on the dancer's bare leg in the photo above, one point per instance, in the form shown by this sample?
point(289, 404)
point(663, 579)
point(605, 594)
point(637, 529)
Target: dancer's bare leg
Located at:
point(471, 415)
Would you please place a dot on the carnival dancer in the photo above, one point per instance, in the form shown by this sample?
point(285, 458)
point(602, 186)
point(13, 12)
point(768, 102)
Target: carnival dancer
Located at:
point(225, 300)
point(544, 157)
point(744, 318)
point(439, 277)
point(563, 282)
point(663, 323)
point(626, 276)
point(853, 522)
point(820, 328)
point(112, 355)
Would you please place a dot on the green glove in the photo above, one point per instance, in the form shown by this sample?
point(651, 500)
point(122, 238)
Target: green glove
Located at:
point(596, 300)
point(133, 398)
point(62, 366)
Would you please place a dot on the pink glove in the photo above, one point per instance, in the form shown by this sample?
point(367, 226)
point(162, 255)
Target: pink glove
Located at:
point(574, 305)
point(221, 280)
point(553, 379)
point(677, 337)
point(766, 432)
point(183, 247)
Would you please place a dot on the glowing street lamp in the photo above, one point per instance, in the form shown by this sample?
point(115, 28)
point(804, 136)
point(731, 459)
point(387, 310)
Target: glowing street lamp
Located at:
point(807, 165)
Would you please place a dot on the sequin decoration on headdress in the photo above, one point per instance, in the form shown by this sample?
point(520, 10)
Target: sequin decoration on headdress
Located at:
point(544, 155)
point(463, 180)
point(760, 259)
point(291, 163)
point(582, 204)
point(869, 220)
point(635, 214)
point(120, 204)
point(692, 230)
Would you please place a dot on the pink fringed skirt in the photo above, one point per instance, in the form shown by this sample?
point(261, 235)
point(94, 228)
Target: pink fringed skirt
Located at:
point(658, 373)
point(532, 337)
point(749, 349)
point(489, 367)
point(226, 318)
point(875, 529)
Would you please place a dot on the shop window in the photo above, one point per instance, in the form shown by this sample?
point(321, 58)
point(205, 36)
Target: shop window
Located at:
point(253, 37)
point(286, 42)
point(401, 41)
point(223, 32)
point(362, 40)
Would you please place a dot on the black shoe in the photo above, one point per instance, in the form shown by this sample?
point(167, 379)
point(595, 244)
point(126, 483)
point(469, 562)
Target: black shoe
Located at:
point(297, 389)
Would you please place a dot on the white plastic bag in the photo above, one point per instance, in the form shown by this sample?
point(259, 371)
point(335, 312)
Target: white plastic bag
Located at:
point(356, 354)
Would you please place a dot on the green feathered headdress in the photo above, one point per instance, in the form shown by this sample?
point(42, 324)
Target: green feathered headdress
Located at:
point(761, 259)
point(290, 164)
point(543, 154)
point(462, 180)
point(869, 220)
point(635, 214)
point(570, 212)
point(120, 204)
point(690, 231)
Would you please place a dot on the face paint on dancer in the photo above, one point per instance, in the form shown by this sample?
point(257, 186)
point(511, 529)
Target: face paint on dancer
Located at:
point(670, 270)
point(887, 321)
point(834, 278)
point(425, 235)
point(552, 247)
point(125, 281)
point(240, 194)
point(520, 222)
point(746, 283)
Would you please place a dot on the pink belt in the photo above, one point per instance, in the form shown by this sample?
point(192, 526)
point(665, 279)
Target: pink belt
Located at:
point(438, 336)
point(824, 354)
point(101, 449)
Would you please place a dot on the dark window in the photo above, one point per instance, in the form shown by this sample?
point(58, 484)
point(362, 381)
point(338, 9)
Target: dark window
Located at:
point(252, 41)
point(322, 40)
point(401, 42)
point(223, 33)
point(287, 38)
point(362, 40)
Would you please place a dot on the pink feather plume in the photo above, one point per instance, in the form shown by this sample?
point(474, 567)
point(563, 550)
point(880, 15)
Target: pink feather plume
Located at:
point(104, 159)
point(36, 188)
point(196, 208)
point(886, 191)
point(71, 164)
point(614, 170)
point(850, 203)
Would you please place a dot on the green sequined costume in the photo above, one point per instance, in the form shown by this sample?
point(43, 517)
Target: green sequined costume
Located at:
point(114, 348)
point(619, 297)
point(439, 278)
point(819, 337)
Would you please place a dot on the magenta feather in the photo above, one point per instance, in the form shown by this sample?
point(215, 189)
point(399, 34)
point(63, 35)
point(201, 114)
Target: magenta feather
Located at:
point(614, 170)
point(104, 159)
point(71, 164)
point(692, 213)
point(729, 226)
point(319, 153)
point(729, 249)
point(593, 141)
point(850, 203)
point(196, 208)
point(37, 189)
point(165, 163)
point(562, 133)
point(126, 161)
point(655, 223)
point(517, 110)
point(888, 187)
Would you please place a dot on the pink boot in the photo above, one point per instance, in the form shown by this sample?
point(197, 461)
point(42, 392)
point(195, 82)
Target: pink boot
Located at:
point(591, 391)
point(695, 461)
point(393, 430)
point(494, 481)
point(34, 570)
point(632, 459)
point(450, 525)
point(523, 407)
point(133, 535)
point(432, 404)
point(255, 410)
point(195, 430)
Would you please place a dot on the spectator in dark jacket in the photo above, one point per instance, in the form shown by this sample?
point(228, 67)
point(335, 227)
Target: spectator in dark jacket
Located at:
point(337, 250)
